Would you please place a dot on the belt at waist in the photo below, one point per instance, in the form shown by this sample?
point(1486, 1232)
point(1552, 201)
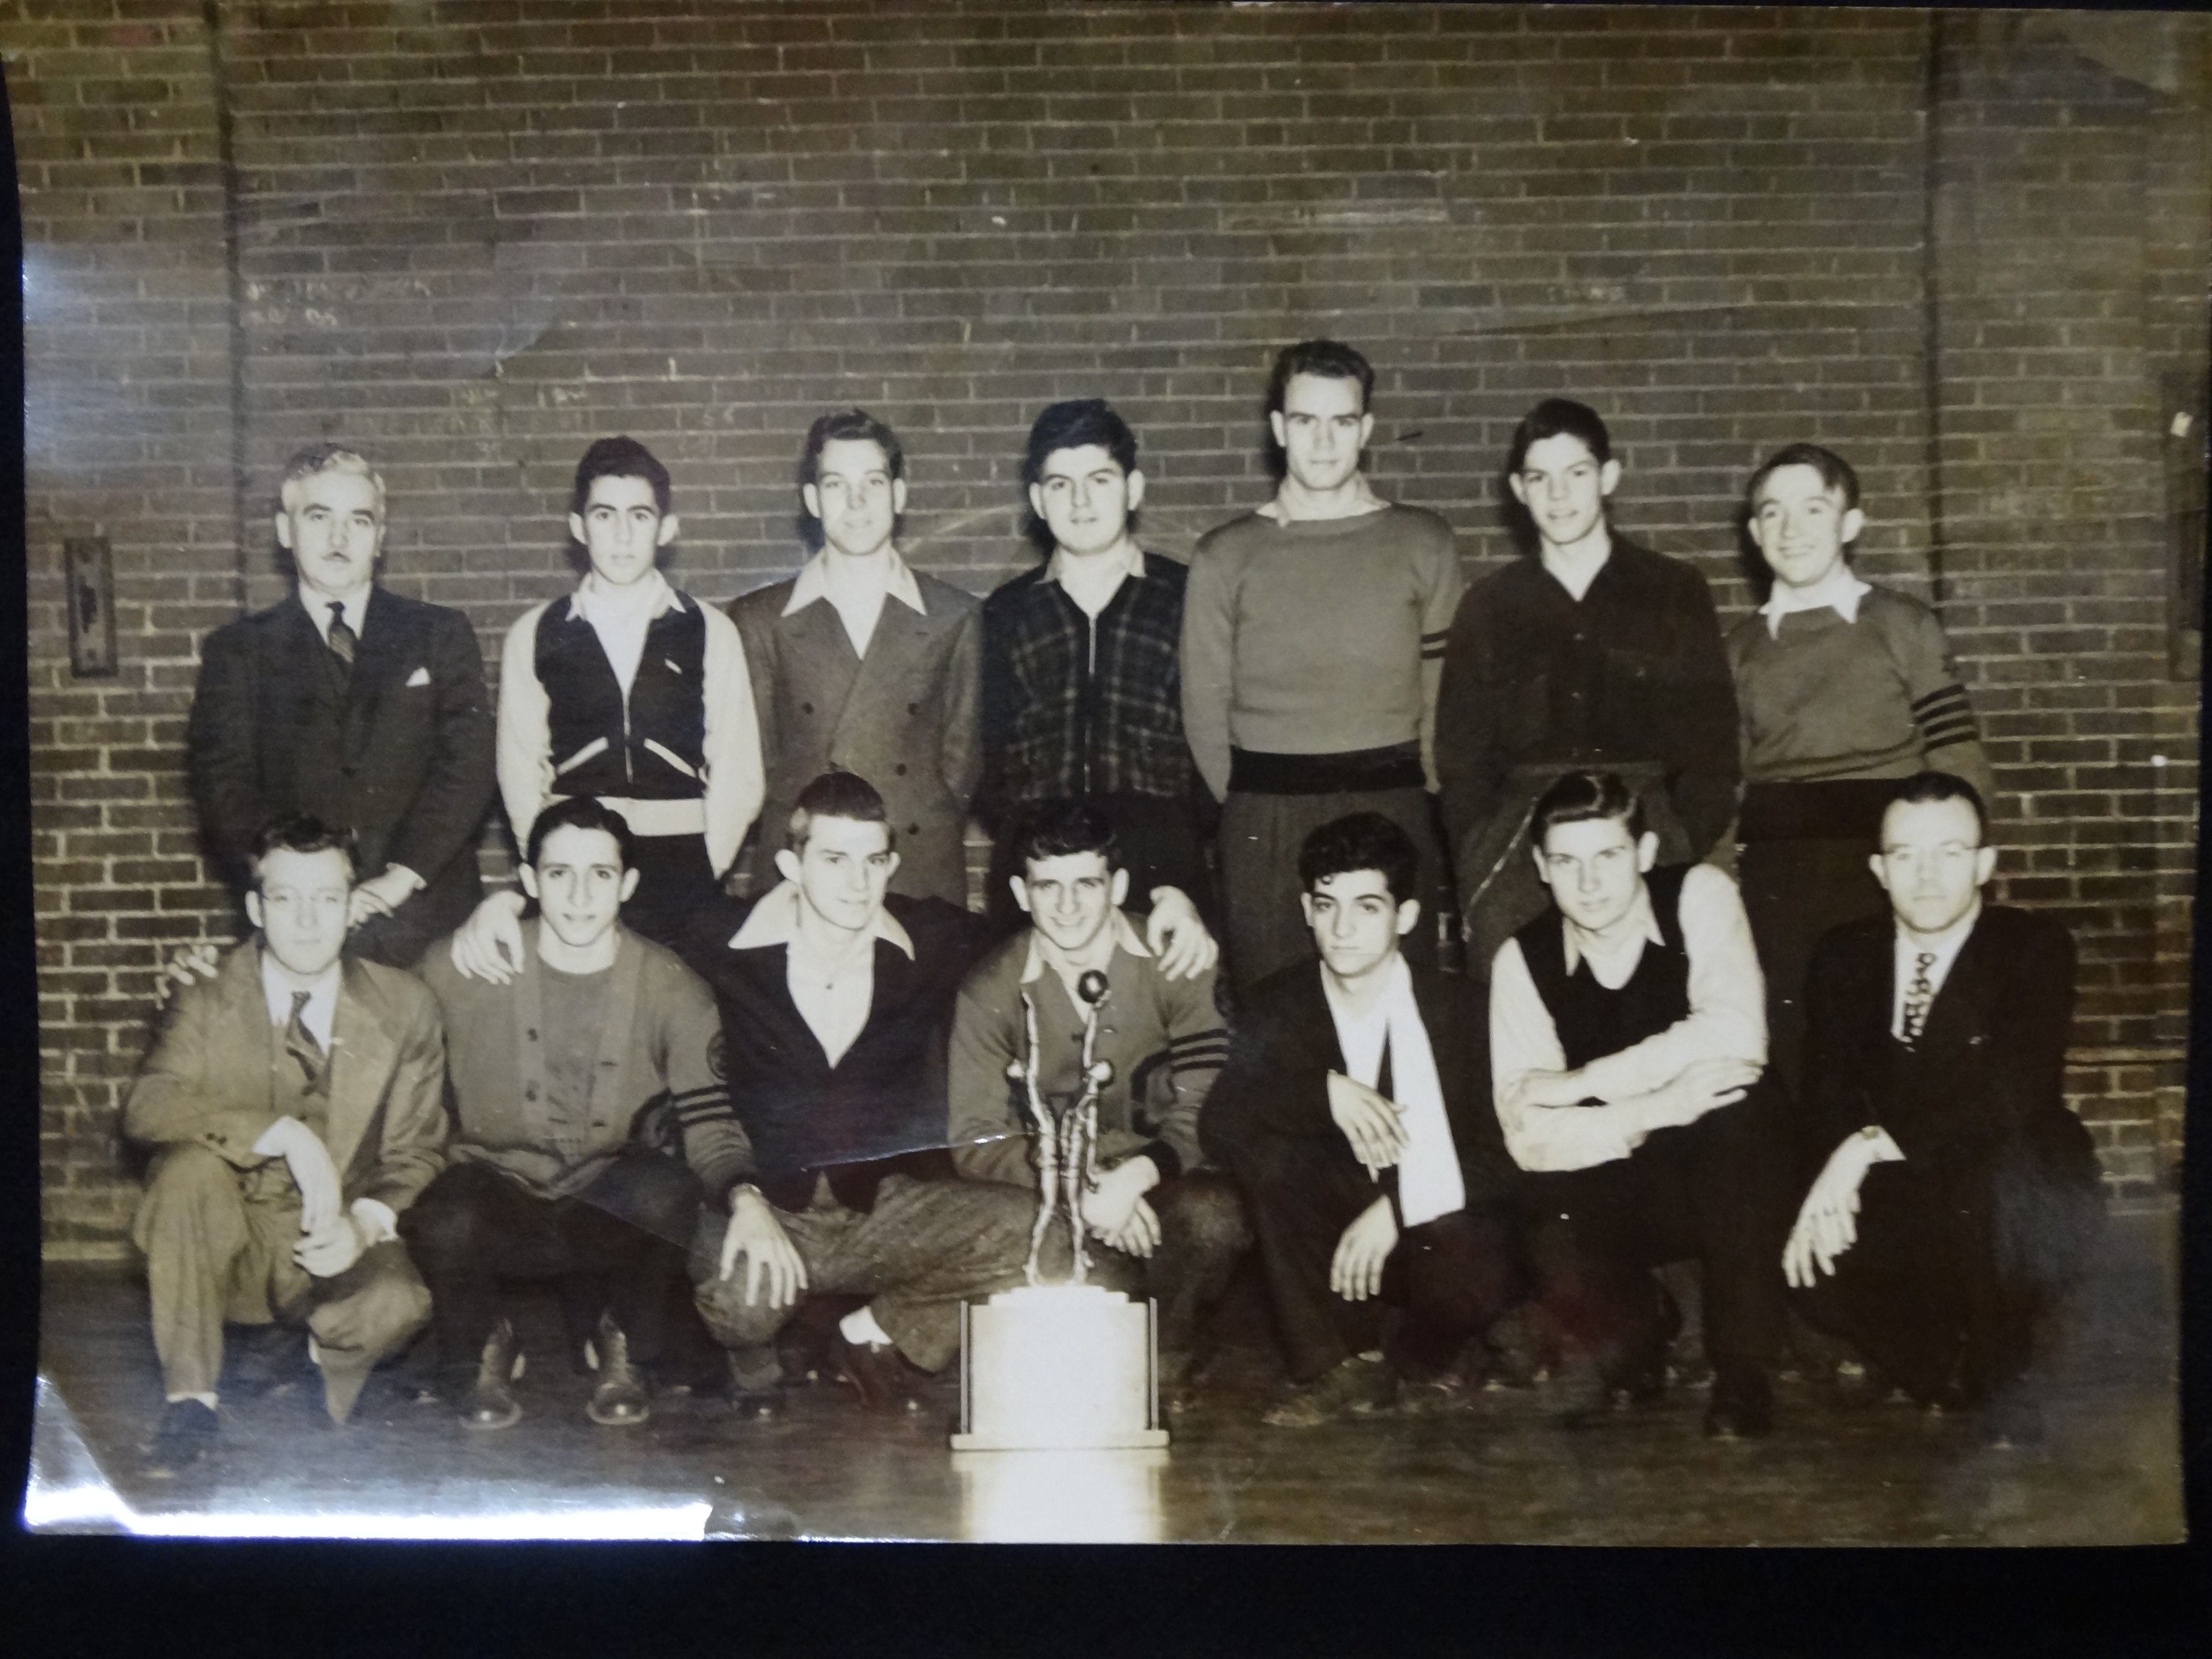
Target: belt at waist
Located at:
point(686, 816)
point(1837, 809)
point(1254, 772)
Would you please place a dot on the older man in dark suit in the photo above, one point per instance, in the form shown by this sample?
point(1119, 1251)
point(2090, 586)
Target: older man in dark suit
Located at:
point(862, 663)
point(1961, 1194)
point(348, 703)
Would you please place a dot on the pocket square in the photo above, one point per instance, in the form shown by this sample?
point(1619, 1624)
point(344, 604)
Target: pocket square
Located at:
point(420, 676)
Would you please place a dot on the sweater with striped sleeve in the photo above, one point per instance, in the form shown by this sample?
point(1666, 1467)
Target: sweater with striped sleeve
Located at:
point(1877, 696)
point(1165, 1039)
point(1315, 636)
point(658, 1043)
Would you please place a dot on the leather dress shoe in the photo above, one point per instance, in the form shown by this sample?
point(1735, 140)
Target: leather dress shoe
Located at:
point(1742, 1405)
point(487, 1401)
point(1354, 1384)
point(884, 1381)
point(184, 1437)
point(621, 1400)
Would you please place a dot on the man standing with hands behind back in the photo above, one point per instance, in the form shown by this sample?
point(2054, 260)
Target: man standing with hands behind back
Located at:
point(346, 701)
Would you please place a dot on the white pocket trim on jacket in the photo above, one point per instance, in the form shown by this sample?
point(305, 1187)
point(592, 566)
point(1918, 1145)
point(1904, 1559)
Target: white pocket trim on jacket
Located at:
point(673, 758)
point(595, 747)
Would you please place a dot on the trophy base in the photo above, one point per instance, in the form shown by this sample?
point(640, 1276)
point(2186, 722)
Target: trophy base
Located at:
point(1058, 1367)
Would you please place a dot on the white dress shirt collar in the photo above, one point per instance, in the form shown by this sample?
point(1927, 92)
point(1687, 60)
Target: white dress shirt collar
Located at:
point(320, 1014)
point(813, 583)
point(774, 921)
point(649, 597)
point(1839, 590)
point(1130, 563)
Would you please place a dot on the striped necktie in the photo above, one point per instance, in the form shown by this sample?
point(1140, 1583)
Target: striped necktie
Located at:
point(345, 642)
point(1918, 995)
point(300, 1044)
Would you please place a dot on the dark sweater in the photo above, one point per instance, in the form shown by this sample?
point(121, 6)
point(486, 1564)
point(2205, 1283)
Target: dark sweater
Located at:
point(1634, 672)
point(881, 1108)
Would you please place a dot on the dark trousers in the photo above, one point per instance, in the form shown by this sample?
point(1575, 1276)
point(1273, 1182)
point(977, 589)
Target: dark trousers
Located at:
point(614, 1247)
point(1261, 836)
point(1448, 1278)
point(1203, 1233)
point(674, 880)
point(1792, 892)
point(399, 940)
point(1162, 844)
point(1716, 1192)
point(1952, 1269)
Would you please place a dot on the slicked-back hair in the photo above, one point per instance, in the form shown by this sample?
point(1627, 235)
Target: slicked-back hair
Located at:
point(1332, 360)
point(1074, 425)
point(1581, 797)
point(1061, 828)
point(318, 459)
point(1549, 419)
point(1836, 473)
point(1363, 841)
point(1925, 787)
point(837, 795)
point(581, 812)
point(620, 458)
point(301, 832)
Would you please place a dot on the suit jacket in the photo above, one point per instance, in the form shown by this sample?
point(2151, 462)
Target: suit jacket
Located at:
point(1284, 1045)
point(213, 1077)
point(399, 751)
point(903, 717)
point(1986, 1080)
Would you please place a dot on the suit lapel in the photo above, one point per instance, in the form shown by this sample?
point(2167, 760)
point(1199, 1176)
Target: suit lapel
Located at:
point(1955, 1015)
point(831, 666)
point(309, 660)
point(361, 1055)
point(892, 648)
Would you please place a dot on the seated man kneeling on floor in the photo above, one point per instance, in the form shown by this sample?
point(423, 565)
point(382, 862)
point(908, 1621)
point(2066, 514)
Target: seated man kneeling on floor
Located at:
point(834, 999)
point(1628, 1040)
point(296, 1105)
point(1960, 1197)
point(1355, 1111)
point(1172, 1230)
point(563, 1079)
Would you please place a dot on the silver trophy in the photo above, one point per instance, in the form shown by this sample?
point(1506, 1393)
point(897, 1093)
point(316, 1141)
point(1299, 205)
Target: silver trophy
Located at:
point(1067, 1140)
point(1067, 1365)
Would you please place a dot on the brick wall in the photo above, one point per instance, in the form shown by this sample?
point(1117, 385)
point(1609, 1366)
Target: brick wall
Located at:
point(470, 237)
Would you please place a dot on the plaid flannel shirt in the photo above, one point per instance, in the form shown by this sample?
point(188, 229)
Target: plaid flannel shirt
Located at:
point(1064, 717)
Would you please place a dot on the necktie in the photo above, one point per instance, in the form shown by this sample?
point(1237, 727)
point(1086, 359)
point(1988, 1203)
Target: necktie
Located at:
point(1918, 995)
point(343, 641)
point(300, 1044)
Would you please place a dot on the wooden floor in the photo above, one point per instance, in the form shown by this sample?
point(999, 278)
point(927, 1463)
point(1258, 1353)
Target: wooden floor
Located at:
point(1839, 1470)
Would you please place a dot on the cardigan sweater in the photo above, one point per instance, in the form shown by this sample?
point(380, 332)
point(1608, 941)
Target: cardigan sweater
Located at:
point(658, 1073)
point(1164, 1038)
point(880, 1109)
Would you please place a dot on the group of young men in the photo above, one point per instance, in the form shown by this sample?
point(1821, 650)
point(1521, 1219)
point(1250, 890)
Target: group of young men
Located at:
point(399, 1095)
